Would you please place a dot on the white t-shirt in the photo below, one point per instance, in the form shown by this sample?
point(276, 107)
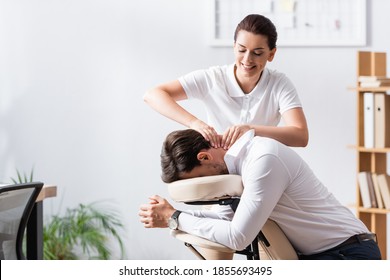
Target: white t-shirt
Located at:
point(226, 104)
point(278, 184)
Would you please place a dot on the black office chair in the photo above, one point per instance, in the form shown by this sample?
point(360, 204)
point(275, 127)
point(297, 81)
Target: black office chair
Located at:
point(16, 204)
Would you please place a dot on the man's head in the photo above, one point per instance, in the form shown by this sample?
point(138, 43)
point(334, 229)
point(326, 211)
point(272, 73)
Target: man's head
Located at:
point(186, 154)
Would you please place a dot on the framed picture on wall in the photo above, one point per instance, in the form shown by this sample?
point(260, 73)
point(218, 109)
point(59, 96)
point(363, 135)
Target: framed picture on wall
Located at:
point(298, 22)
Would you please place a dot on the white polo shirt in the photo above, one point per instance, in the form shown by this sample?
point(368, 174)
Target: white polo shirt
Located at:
point(226, 104)
point(278, 184)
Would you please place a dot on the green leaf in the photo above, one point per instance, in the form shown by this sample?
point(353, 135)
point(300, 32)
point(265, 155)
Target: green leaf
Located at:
point(84, 227)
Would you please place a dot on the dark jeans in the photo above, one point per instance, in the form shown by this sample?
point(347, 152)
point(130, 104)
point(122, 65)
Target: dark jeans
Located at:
point(362, 250)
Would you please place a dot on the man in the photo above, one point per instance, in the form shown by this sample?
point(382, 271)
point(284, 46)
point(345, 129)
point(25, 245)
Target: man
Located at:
point(278, 185)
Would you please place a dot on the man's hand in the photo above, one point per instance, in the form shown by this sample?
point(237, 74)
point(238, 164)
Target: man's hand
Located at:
point(156, 213)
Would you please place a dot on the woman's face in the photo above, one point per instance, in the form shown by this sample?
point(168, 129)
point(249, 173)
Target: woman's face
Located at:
point(252, 53)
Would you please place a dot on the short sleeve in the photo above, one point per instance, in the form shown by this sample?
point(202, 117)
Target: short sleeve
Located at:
point(288, 96)
point(196, 84)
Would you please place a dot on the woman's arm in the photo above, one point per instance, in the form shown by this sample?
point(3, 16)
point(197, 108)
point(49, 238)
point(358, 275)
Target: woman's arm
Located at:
point(163, 99)
point(294, 133)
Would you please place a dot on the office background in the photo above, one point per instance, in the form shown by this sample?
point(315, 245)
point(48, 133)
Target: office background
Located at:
point(72, 77)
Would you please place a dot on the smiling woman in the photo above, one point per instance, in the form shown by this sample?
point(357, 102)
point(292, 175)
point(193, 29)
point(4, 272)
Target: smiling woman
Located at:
point(252, 53)
point(241, 96)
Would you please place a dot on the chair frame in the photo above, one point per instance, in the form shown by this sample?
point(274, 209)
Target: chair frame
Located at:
point(252, 250)
point(37, 186)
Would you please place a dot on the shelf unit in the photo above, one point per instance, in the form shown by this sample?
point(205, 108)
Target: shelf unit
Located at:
point(371, 159)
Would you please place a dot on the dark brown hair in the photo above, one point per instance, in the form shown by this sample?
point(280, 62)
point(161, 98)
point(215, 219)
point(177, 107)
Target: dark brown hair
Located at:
point(179, 153)
point(258, 24)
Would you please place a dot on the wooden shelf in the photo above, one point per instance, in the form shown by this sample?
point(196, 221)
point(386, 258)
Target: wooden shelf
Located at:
point(372, 160)
point(371, 89)
point(373, 210)
point(369, 150)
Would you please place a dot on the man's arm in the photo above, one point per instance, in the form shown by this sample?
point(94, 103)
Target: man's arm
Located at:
point(157, 212)
point(264, 183)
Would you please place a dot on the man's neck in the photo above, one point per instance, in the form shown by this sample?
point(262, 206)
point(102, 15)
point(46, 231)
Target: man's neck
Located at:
point(218, 154)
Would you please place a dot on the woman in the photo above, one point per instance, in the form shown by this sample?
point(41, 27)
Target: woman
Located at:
point(238, 97)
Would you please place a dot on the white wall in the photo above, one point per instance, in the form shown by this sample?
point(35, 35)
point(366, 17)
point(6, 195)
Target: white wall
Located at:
point(72, 76)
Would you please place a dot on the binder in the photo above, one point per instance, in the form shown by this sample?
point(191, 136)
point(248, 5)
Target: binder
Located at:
point(383, 181)
point(377, 191)
point(369, 119)
point(364, 189)
point(382, 127)
point(371, 190)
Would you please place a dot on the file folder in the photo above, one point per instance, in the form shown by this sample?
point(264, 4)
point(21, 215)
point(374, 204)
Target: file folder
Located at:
point(369, 119)
point(382, 127)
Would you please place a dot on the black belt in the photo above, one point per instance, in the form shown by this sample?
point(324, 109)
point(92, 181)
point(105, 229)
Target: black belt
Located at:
point(357, 239)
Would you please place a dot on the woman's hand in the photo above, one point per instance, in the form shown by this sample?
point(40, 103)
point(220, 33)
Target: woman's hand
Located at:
point(207, 131)
point(156, 213)
point(232, 134)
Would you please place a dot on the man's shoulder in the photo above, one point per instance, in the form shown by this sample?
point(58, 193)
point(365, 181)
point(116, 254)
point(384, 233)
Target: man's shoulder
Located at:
point(266, 140)
point(265, 144)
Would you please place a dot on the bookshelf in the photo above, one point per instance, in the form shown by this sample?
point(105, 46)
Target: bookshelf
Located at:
point(373, 160)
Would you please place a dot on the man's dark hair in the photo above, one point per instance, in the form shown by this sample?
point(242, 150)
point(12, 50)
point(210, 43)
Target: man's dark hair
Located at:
point(258, 24)
point(179, 153)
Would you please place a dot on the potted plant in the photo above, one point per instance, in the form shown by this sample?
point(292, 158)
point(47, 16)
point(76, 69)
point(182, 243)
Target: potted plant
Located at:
point(82, 232)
